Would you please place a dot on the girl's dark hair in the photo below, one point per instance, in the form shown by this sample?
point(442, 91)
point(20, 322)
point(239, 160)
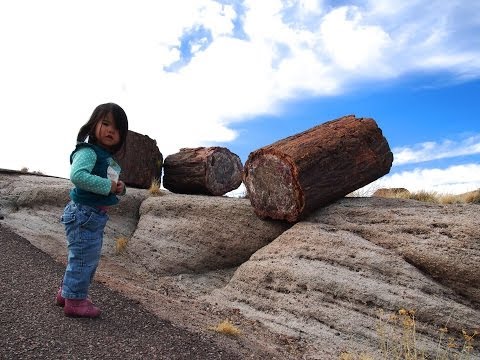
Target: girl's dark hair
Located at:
point(121, 122)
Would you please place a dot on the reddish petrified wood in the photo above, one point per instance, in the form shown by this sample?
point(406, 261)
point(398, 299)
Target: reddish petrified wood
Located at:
point(203, 170)
point(294, 176)
point(141, 162)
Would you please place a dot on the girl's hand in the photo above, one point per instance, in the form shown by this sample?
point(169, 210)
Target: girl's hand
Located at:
point(113, 187)
point(120, 187)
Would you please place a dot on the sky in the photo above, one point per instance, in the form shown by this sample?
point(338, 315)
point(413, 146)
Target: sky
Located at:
point(244, 74)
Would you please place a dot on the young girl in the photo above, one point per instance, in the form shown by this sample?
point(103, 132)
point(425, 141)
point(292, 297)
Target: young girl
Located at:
point(95, 176)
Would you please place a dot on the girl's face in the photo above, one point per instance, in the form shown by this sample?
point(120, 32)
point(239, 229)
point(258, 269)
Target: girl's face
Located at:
point(107, 133)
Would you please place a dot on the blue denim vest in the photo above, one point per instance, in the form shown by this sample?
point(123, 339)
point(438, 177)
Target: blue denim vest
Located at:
point(104, 159)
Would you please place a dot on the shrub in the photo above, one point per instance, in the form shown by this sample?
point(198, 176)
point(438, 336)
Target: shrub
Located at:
point(120, 244)
point(155, 188)
point(472, 197)
point(397, 333)
point(227, 328)
point(425, 196)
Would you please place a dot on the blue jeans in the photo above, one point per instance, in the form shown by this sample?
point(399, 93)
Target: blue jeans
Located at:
point(84, 226)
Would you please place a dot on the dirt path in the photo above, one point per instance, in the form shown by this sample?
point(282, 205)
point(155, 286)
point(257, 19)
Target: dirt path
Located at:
point(31, 326)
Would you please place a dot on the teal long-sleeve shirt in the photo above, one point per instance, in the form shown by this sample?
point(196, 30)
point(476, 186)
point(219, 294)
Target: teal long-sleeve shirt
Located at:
point(80, 173)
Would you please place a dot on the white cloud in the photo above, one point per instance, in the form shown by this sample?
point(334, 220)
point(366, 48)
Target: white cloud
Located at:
point(350, 43)
point(61, 59)
point(431, 150)
point(452, 180)
point(438, 39)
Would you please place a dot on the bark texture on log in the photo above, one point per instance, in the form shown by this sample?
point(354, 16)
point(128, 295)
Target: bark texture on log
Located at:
point(203, 170)
point(142, 161)
point(292, 177)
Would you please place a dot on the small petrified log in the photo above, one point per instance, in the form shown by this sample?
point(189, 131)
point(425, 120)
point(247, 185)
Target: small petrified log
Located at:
point(294, 176)
point(142, 161)
point(202, 170)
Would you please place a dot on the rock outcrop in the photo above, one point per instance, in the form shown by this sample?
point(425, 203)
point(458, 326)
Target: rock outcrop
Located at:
point(327, 278)
point(193, 234)
point(391, 192)
point(327, 285)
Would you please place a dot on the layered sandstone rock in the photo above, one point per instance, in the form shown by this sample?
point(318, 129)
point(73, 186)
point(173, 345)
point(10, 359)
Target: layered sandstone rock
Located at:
point(329, 278)
point(192, 234)
point(326, 285)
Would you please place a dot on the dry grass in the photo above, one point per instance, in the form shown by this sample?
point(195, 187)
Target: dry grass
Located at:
point(425, 196)
point(27, 171)
point(397, 335)
point(350, 356)
point(398, 340)
point(227, 328)
point(155, 188)
point(120, 244)
point(472, 197)
point(365, 191)
point(401, 344)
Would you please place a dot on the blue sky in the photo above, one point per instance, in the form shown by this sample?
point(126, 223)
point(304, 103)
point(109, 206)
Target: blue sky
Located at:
point(243, 74)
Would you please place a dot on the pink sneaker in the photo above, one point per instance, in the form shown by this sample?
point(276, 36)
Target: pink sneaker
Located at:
point(81, 308)
point(59, 299)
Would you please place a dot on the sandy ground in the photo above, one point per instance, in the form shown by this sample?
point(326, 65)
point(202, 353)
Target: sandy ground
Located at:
point(34, 328)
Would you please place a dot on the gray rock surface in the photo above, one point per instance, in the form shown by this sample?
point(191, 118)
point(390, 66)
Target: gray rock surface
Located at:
point(327, 278)
point(192, 234)
point(325, 286)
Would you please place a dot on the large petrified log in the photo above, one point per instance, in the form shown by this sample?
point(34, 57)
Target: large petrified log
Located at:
point(141, 162)
point(294, 176)
point(202, 170)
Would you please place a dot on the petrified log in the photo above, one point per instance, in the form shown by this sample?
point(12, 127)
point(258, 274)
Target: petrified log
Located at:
point(202, 170)
point(142, 161)
point(294, 176)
